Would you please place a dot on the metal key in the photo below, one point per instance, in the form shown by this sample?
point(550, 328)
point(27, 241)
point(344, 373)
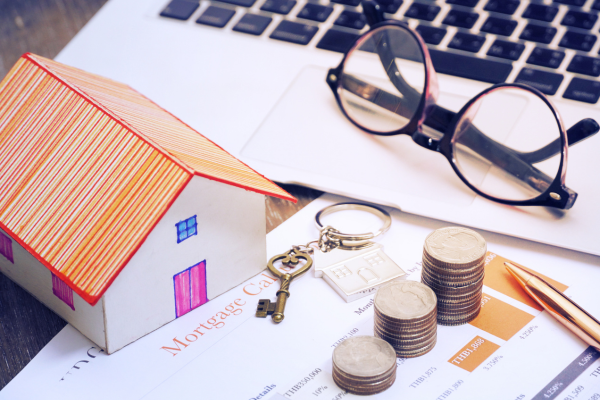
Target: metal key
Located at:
point(290, 258)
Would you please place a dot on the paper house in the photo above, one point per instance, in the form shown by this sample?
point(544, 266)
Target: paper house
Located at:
point(114, 213)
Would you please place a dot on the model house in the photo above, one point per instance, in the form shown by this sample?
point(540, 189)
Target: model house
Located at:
point(114, 213)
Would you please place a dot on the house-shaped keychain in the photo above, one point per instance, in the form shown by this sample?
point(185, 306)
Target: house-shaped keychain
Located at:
point(114, 213)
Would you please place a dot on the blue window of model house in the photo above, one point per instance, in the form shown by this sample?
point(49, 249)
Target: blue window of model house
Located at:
point(186, 228)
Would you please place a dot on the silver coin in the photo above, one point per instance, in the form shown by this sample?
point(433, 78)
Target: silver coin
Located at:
point(455, 245)
point(404, 322)
point(452, 276)
point(364, 356)
point(452, 269)
point(405, 300)
point(442, 282)
point(458, 320)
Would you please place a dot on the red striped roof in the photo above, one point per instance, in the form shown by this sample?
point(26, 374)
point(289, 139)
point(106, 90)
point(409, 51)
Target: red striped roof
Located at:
point(89, 166)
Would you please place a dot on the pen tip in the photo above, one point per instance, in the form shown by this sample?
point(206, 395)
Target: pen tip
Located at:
point(518, 273)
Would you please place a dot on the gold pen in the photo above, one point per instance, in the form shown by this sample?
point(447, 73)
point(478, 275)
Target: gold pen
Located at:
point(575, 318)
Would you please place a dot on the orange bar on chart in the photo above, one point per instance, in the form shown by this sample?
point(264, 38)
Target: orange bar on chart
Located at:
point(473, 354)
point(499, 318)
point(499, 279)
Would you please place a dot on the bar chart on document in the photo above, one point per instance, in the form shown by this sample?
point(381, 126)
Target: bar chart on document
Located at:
point(510, 350)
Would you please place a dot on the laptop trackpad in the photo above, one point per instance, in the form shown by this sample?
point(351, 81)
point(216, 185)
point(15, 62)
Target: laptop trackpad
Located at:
point(307, 131)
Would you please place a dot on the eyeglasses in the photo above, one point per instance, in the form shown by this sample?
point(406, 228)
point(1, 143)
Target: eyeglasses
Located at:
point(508, 143)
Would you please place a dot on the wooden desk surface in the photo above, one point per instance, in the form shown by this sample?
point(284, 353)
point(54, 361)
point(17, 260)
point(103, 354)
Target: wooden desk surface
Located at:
point(44, 27)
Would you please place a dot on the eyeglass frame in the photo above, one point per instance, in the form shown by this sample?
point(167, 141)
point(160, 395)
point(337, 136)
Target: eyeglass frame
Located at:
point(556, 195)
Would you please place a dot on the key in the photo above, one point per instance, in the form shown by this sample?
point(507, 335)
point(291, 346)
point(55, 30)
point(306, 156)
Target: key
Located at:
point(585, 65)
point(540, 12)
point(546, 57)
point(291, 258)
point(422, 11)
point(546, 82)
point(502, 6)
point(279, 6)
point(466, 42)
point(578, 3)
point(538, 33)
point(352, 3)
point(252, 24)
point(243, 3)
point(462, 19)
point(499, 26)
point(578, 19)
point(180, 9)
point(577, 41)
point(294, 32)
point(431, 34)
point(464, 3)
point(339, 41)
point(389, 6)
point(469, 67)
point(351, 19)
point(507, 50)
point(315, 12)
point(583, 90)
point(215, 16)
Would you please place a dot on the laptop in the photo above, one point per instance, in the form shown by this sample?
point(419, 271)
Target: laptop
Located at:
point(250, 75)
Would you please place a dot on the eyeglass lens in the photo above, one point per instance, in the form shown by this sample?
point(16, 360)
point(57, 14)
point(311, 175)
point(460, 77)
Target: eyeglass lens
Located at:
point(383, 80)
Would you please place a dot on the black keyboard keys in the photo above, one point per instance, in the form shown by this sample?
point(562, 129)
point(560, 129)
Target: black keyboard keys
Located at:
point(180, 9)
point(577, 41)
point(315, 12)
point(499, 26)
point(507, 50)
point(339, 41)
point(351, 19)
point(252, 24)
point(294, 32)
point(546, 82)
point(243, 3)
point(578, 19)
point(464, 3)
point(279, 6)
point(583, 90)
point(431, 34)
point(466, 42)
point(502, 6)
point(422, 11)
point(469, 67)
point(462, 19)
point(215, 16)
point(546, 57)
point(540, 12)
point(585, 65)
point(577, 3)
point(538, 33)
point(596, 5)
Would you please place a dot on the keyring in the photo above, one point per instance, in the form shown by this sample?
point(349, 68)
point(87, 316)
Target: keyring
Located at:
point(332, 238)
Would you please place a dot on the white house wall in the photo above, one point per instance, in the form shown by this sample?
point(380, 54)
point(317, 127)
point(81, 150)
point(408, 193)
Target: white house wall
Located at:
point(231, 238)
point(35, 278)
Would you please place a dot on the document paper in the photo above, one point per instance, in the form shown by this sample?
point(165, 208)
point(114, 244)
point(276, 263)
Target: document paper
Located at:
point(222, 351)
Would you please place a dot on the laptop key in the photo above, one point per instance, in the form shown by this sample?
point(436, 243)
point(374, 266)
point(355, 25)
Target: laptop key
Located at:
point(215, 16)
point(469, 67)
point(502, 6)
point(464, 3)
point(585, 65)
point(353, 3)
point(538, 33)
point(499, 26)
point(583, 90)
point(507, 50)
point(545, 82)
point(596, 5)
point(577, 41)
point(462, 19)
point(351, 19)
point(431, 34)
point(546, 57)
point(315, 12)
point(422, 11)
point(180, 9)
point(338, 41)
point(467, 42)
point(389, 6)
point(540, 12)
point(279, 6)
point(252, 24)
point(294, 32)
point(578, 19)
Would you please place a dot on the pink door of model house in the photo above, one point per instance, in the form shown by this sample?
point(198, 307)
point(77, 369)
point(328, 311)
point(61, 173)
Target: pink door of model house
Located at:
point(190, 289)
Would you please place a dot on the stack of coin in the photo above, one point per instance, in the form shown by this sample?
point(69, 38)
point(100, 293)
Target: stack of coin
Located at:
point(405, 317)
point(364, 365)
point(453, 266)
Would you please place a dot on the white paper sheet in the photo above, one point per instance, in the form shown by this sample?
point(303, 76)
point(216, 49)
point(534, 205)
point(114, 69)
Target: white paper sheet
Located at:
point(250, 358)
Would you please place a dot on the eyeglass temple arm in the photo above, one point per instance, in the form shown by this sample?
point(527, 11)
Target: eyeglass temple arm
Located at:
point(374, 15)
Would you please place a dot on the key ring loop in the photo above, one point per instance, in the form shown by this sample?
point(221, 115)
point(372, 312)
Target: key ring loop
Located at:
point(331, 238)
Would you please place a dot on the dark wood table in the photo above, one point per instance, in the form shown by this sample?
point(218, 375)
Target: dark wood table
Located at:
point(44, 27)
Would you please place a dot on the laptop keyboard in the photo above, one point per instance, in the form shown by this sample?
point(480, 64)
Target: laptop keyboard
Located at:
point(542, 44)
